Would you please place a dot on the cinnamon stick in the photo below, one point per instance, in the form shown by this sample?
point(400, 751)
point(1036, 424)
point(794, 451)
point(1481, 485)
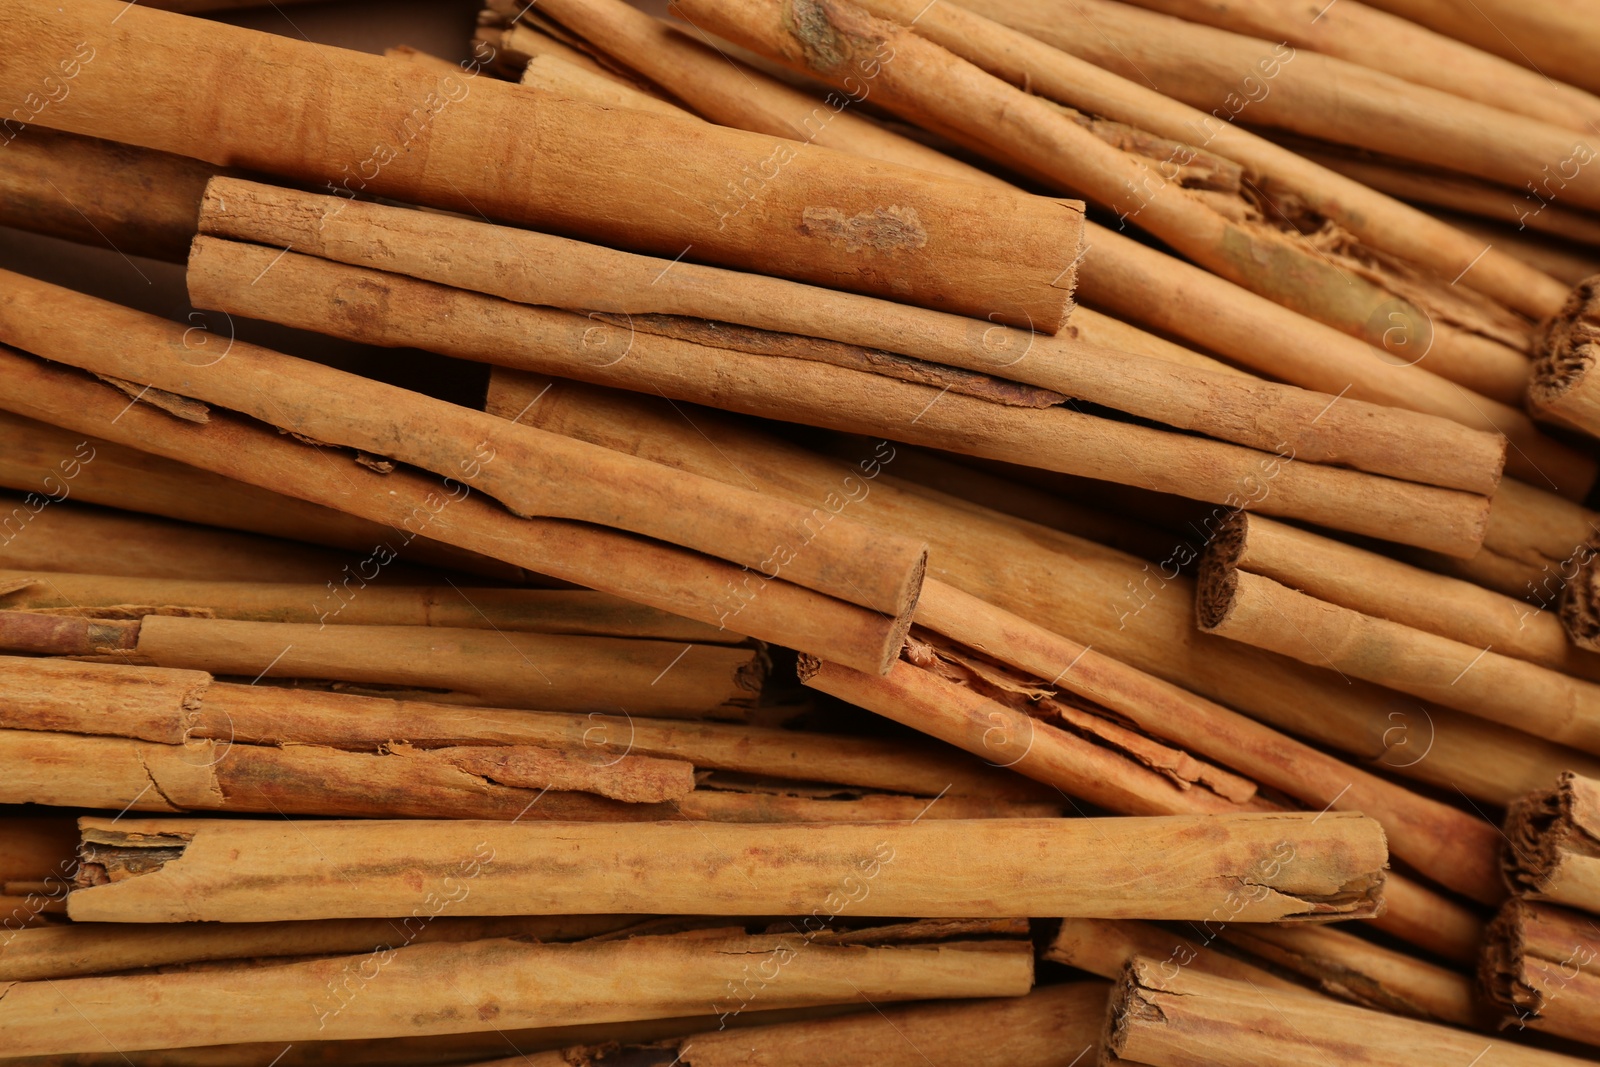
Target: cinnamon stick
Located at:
point(1554, 844)
point(492, 984)
point(305, 292)
point(79, 949)
point(1294, 867)
point(824, 221)
point(353, 596)
point(683, 582)
point(533, 268)
point(1194, 1018)
point(52, 464)
point(1562, 388)
point(1254, 609)
point(1104, 946)
point(1377, 585)
point(1540, 970)
point(1053, 1026)
point(1562, 38)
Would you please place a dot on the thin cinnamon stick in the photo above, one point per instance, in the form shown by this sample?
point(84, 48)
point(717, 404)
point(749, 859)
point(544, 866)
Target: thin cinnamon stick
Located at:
point(1053, 1026)
point(892, 231)
point(1254, 609)
point(496, 668)
point(1412, 51)
point(1558, 34)
point(1104, 946)
point(534, 268)
point(48, 463)
point(79, 949)
point(1195, 1018)
point(1377, 585)
point(1292, 866)
point(1554, 844)
point(306, 292)
point(1540, 970)
point(355, 597)
point(492, 984)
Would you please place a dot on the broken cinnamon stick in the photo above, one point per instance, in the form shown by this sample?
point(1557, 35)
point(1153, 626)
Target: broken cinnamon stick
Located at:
point(1541, 969)
point(1291, 865)
point(1554, 844)
point(1562, 388)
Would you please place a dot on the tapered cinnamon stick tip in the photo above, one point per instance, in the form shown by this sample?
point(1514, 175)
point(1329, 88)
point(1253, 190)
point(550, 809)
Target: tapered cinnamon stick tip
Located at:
point(1561, 386)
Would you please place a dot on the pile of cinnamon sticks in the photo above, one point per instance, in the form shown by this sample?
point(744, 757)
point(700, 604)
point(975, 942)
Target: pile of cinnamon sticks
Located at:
point(800, 531)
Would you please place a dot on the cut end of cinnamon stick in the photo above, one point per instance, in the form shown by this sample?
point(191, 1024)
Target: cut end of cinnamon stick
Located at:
point(1500, 969)
point(1553, 840)
point(1560, 385)
point(1580, 600)
point(109, 855)
point(1218, 580)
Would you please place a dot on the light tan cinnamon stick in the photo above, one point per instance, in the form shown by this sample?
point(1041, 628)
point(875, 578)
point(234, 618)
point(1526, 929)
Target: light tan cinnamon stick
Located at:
point(708, 368)
point(1195, 1018)
point(1104, 946)
point(79, 949)
point(1053, 1026)
point(888, 230)
point(1558, 34)
point(497, 668)
point(1257, 610)
point(1554, 844)
point(1377, 585)
point(55, 464)
point(686, 583)
point(1412, 52)
point(537, 473)
point(1354, 969)
point(355, 597)
point(1294, 867)
point(494, 984)
point(1135, 611)
point(533, 268)
point(1541, 969)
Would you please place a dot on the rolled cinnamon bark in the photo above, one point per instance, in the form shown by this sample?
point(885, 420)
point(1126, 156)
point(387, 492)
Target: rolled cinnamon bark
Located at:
point(139, 202)
point(1359, 971)
point(534, 268)
point(1135, 611)
point(76, 950)
point(1099, 771)
point(54, 464)
point(354, 597)
point(1455, 849)
point(1104, 946)
point(308, 111)
point(492, 984)
point(1560, 35)
point(686, 583)
point(538, 474)
point(1195, 1018)
point(1562, 388)
point(1554, 838)
point(1053, 1026)
point(1247, 607)
point(758, 377)
point(556, 672)
point(1541, 969)
point(1296, 866)
point(1415, 53)
point(1377, 585)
